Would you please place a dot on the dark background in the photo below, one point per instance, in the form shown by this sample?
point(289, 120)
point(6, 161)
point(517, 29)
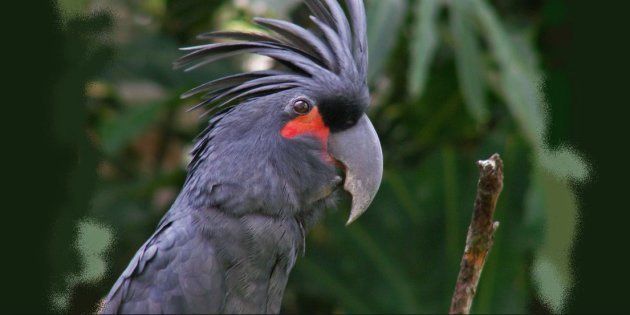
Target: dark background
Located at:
point(41, 149)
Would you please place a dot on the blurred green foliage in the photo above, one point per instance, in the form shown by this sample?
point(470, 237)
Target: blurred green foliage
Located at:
point(452, 82)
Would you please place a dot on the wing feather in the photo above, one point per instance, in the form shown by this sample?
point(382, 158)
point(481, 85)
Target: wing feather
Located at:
point(160, 277)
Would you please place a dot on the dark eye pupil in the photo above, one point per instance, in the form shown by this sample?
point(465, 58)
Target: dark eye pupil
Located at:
point(301, 107)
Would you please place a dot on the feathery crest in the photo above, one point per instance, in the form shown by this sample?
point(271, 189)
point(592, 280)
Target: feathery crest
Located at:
point(337, 47)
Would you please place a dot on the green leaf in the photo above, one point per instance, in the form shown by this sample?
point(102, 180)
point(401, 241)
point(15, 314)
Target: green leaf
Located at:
point(469, 59)
point(423, 44)
point(334, 286)
point(519, 83)
point(385, 18)
point(391, 262)
point(93, 240)
point(71, 8)
point(554, 199)
point(118, 132)
point(550, 197)
point(278, 8)
point(390, 268)
point(452, 235)
point(563, 163)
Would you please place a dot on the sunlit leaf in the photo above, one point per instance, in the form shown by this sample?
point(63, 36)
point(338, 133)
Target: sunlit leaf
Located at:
point(71, 8)
point(550, 197)
point(551, 271)
point(92, 240)
point(277, 8)
point(519, 84)
point(423, 44)
point(563, 163)
point(469, 59)
point(385, 18)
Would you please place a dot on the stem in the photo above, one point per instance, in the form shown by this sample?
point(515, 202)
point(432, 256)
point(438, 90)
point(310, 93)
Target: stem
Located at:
point(480, 234)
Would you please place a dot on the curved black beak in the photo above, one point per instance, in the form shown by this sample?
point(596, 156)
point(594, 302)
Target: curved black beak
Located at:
point(359, 150)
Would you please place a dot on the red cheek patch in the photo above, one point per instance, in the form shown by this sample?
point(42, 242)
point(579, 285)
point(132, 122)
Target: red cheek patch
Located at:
point(310, 124)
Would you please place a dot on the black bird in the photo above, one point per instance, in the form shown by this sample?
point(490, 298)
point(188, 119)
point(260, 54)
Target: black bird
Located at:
point(276, 150)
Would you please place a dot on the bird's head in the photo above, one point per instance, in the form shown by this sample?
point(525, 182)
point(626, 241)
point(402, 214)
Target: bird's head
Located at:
point(284, 135)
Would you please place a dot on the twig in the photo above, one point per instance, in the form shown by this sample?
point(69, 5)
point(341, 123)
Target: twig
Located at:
point(480, 234)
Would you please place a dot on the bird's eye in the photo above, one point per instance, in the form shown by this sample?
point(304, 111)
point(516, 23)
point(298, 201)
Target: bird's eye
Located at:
point(301, 107)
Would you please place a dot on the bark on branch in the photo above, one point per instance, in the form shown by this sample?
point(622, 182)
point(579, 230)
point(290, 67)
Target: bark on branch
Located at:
point(480, 234)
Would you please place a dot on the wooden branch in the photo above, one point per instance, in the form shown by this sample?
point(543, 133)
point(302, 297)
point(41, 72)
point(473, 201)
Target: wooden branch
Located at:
point(480, 234)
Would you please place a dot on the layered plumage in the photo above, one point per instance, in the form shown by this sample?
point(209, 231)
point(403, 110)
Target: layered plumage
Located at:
point(229, 241)
point(330, 58)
